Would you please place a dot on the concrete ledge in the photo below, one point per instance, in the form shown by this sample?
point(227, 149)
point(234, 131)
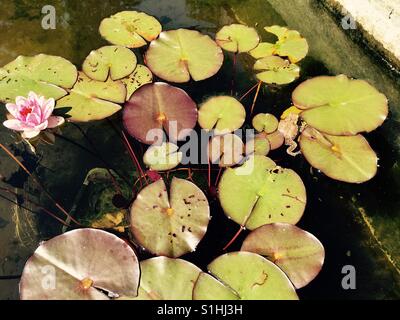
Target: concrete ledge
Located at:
point(378, 20)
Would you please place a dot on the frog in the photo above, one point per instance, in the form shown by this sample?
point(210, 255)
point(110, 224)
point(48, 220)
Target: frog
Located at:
point(290, 129)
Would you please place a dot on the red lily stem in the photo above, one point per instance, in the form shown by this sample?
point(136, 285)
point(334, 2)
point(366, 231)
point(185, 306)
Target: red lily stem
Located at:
point(35, 204)
point(234, 238)
point(233, 73)
point(218, 175)
point(9, 153)
point(209, 174)
point(255, 97)
point(248, 92)
point(133, 155)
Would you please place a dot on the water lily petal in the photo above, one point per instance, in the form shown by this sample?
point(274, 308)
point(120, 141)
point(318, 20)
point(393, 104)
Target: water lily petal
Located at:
point(12, 109)
point(43, 126)
point(20, 101)
point(29, 134)
point(55, 121)
point(33, 119)
point(32, 96)
point(14, 124)
point(47, 108)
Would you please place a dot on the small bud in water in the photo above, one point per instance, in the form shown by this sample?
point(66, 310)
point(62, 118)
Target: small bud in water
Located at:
point(86, 283)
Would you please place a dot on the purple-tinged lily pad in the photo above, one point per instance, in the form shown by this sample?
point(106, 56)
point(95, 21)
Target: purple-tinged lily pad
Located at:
point(297, 252)
point(158, 106)
point(179, 55)
point(81, 264)
point(170, 224)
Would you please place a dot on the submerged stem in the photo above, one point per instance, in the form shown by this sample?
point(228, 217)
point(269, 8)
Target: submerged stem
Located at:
point(248, 92)
point(234, 238)
point(255, 97)
point(9, 153)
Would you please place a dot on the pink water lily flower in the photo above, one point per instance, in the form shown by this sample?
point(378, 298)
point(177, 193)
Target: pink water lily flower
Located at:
point(32, 115)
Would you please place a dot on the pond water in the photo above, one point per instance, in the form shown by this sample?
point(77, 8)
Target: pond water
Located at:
point(358, 224)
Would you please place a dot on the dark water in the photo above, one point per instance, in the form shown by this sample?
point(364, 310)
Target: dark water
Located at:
point(358, 225)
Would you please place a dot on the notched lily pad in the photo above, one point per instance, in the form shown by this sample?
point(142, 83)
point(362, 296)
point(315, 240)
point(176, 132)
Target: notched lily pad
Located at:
point(290, 44)
point(164, 278)
point(43, 74)
point(237, 38)
point(226, 150)
point(275, 70)
point(114, 61)
point(81, 264)
point(139, 77)
point(179, 55)
point(158, 106)
point(340, 105)
point(224, 114)
point(260, 192)
point(170, 224)
point(265, 122)
point(162, 157)
point(243, 276)
point(130, 29)
point(345, 158)
point(93, 100)
point(297, 252)
point(276, 139)
point(259, 145)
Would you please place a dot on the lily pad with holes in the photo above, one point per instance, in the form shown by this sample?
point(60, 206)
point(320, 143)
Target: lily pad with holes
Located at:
point(226, 150)
point(224, 114)
point(158, 106)
point(164, 278)
point(114, 61)
point(243, 276)
point(162, 157)
point(130, 29)
point(290, 44)
point(170, 223)
point(265, 122)
point(345, 158)
point(260, 192)
point(297, 252)
point(237, 38)
point(259, 145)
point(340, 105)
point(275, 70)
point(141, 76)
point(73, 266)
point(179, 55)
point(46, 75)
point(93, 100)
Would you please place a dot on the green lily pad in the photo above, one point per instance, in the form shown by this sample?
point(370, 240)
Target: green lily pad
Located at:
point(297, 252)
point(114, 61)
point(224, 114)
point(130, 29)
point(244, 276)
point(46, 75)
point(265, 122)
point(276, 140)
point(340, 105)
point(162, 157)
point(93, 100)
point(226, 150)
point(237, 38)
point(170, 224)
point(268, 193)
point(164, 278)
point(275, 70)
point(73, 266)
point(158, 106)
point(345, 158)
point(141, 76)
point(259, 145)
point(290, 44)
point(178, 55)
